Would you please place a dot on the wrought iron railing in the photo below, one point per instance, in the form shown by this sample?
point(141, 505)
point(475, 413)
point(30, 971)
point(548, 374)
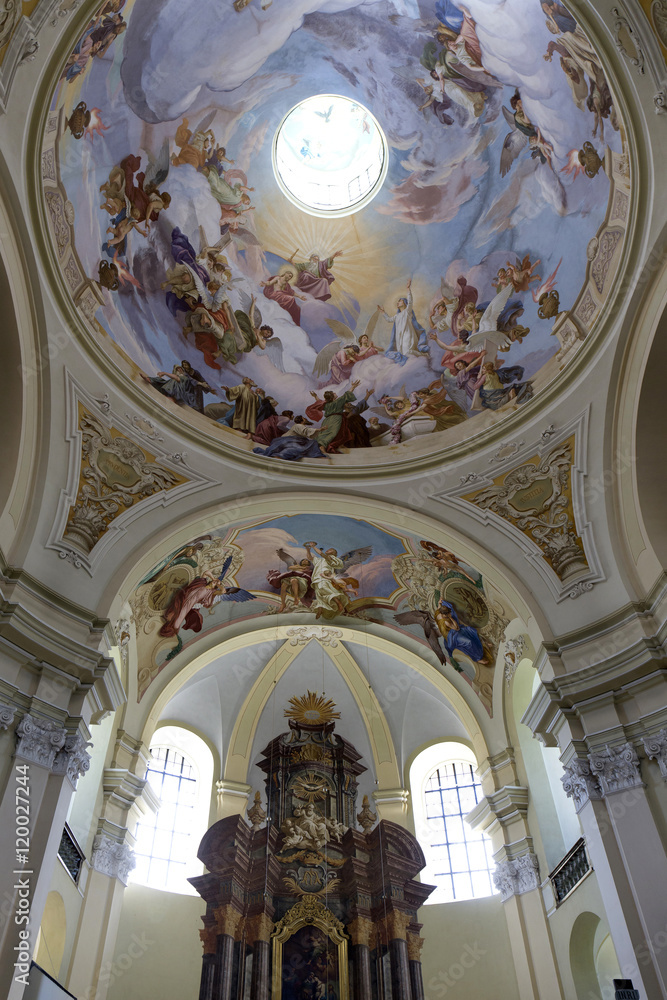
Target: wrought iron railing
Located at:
point(567, 875)
point(71, 854)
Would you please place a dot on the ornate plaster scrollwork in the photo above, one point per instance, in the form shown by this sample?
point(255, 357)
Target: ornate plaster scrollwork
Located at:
point(39, 740)
point(580, 783)
point(73, 758)
point(112, 858)
point(11, 12)
point(516, 876)
point(115, 474)
point(656, 749)
point(616, 768)
point(514, 650)
point(627, 42)
point(302, 634)
point(7, 714)
point(536, 497)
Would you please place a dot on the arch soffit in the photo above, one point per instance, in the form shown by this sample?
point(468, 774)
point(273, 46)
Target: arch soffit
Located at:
point(631, 367)
point(18, 261)
point(237, 759)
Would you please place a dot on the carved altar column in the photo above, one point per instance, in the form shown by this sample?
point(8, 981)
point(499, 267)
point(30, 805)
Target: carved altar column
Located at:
point(415, 944)
point(228, 921)
point(258, 935)
point(396, 925)
point(209, 940)
point(362, 936)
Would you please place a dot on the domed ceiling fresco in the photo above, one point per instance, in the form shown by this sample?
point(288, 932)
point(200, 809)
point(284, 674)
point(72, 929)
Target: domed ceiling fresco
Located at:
point(459, 289)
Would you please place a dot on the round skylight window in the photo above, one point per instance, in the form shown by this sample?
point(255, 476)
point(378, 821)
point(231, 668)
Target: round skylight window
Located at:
point(329, 156)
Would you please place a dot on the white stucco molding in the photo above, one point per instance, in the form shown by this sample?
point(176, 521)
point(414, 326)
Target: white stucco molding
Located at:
point(516, 876)
point(113, 858)
point(616, 768)
point(655, 748)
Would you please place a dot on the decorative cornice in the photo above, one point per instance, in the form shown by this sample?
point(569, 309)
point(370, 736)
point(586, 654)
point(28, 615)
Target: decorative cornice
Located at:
point(516, 876)
point(39, 740)
point(580, 783)
point(7, 714)
point(112, 858)
point(73, 760)
point(616, 768)
point(655, 748)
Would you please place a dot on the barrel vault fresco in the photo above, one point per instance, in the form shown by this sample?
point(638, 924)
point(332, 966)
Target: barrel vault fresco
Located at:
point(307, 568)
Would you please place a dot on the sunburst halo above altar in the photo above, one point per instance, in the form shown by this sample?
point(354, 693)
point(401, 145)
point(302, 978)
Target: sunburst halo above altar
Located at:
point(311, 709)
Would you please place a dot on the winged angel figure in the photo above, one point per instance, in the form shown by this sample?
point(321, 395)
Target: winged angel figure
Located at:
point(334, 590)
point(466, 621)
point(338, 357)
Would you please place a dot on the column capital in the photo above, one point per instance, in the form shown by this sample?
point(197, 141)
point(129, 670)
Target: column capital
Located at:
point(228, 920)
point(655, 748)
point(616, 768)
point(396, 925)
point(112, 857)
point(415, 945)
point(515, 876)
point(208, 936)
point(580, 783)
point(259, 928)
point(39, 740)
point(7, 713)
point(73, 759)
point(361, 931)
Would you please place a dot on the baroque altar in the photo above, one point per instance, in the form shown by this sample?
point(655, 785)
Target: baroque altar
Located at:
point(311, 898)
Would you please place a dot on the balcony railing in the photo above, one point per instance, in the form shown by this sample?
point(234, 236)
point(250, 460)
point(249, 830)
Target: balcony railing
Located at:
point(567, 875)
point(71, 854)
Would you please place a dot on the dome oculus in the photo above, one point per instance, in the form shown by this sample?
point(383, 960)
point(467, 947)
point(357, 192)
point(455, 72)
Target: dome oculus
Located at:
point(329, 156)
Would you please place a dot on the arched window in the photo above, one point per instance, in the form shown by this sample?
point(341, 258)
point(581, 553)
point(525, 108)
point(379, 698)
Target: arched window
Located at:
point(445, 789)
point(180, 773)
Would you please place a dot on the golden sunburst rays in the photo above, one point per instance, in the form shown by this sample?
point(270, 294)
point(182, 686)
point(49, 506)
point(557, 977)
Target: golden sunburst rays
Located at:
point(311, 709)
point(309, 787)
point(365, 262)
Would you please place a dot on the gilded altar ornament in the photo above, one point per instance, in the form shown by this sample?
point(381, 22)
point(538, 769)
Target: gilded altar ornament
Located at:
point(256, 814)
point(366, 817)
point(309, 786)
point(311, 710)
point(309, 910)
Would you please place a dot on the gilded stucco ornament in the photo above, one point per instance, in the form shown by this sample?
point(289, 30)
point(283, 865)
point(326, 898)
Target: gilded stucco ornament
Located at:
point(536, 497)
point(115, 474)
